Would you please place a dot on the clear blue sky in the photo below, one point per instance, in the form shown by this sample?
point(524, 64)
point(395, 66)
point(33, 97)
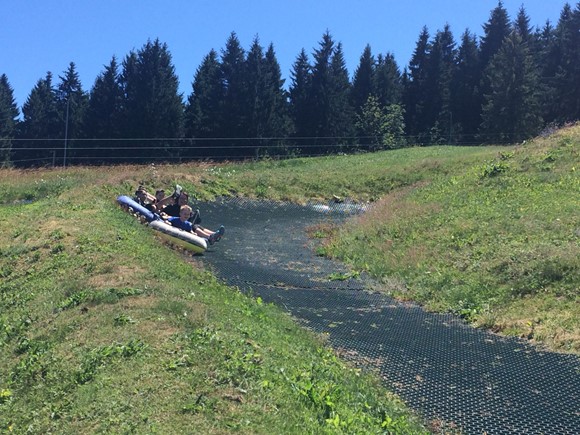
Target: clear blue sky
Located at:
point(37, 36)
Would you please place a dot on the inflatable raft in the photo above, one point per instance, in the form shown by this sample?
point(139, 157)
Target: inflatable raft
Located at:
point(173, 235)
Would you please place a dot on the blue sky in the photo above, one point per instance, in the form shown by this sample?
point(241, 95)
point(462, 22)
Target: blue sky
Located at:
point(37, 36)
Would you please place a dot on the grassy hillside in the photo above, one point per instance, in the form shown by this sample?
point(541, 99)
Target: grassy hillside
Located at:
point(490, 233)
point(104, 329)
point(497, 243)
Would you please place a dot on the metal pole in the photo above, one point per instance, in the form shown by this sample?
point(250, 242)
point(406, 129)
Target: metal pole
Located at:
point(66, 132)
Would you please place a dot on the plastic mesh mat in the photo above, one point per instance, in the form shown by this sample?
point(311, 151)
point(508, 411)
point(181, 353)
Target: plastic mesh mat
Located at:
point(447, 371)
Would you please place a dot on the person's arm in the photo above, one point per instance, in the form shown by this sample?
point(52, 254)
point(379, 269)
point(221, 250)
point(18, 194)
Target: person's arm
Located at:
point(165, 202)
point(145, 196)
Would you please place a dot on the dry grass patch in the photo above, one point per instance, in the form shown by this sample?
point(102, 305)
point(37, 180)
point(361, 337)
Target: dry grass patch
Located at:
point(541, 319)
point(144, 317)
point(118, 276)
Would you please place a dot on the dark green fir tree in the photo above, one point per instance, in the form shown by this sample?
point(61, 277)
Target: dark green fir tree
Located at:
point(8, 120)
point(235, 125)
point(300, 98)
point(103, 118)
point(548, 58)
point(71, 103)
point(387, 85)
point(567, 74)
point(341, 120)
point(277, 124)
point(204, 110)
point(440, 72)
point(416, 89)
point(321, 96)
point(153, 106)
point(496, 29)
point(511, 112)
point(363, 80)
point(40, 135)
point(465, 97)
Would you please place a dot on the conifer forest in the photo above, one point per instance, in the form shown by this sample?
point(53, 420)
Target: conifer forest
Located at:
point(504, 86)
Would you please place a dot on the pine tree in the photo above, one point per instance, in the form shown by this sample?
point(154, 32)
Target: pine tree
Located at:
point(465, 97)
point(235, 99)
point(511, 111)
point(71, 104)
point(416, 88)
point(341, 112)
point(300, 95)
point(547, 65)
point(277, 122)
point(8, 120)
point(440, 72)
point(204, 110)
point(495, 30)
point(257, 94)
point(330, 98)
point(39, 138)
point(153, 105)
point(363, 80)
point(387, 86)
point(320, 94)
point(522, 26)
point(567, 75)
point(103, 118)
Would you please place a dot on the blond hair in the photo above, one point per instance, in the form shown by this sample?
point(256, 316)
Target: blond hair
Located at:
point(186, 207)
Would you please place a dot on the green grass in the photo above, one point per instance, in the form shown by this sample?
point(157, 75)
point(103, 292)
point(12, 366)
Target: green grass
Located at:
point(364, 177)
point(497, 243)
point(490, 233)
point(105, 329)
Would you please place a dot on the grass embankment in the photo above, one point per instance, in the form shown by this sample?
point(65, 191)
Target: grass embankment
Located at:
point(105, 330)
point(490, 233)
point(102, 329)
point(497, 243)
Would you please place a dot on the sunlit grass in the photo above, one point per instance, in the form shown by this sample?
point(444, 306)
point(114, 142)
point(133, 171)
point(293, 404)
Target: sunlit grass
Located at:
point(481, 241)
point(105, 329)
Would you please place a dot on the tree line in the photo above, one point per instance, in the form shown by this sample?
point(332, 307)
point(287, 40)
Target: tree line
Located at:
point(501, 88)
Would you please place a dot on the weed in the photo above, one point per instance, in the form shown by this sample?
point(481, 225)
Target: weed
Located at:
point(196, 406)
point(493, 169)
point(57, 248)
point(96, 358)
point(35, 363)
point(344, 276)
point(115, 294)
point(5, 396)
point(74, 300)
point(123, 319)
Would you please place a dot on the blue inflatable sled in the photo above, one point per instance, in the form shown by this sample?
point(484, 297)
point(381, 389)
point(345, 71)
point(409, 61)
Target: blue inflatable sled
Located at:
point(176, 236)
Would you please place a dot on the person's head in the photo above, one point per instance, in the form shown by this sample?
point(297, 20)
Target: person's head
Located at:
point(160, 194)
point(185, 212)
point(183, 198)
point(140, 193)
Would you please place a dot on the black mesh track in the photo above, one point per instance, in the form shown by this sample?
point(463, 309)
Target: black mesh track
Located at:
point(444, 369)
